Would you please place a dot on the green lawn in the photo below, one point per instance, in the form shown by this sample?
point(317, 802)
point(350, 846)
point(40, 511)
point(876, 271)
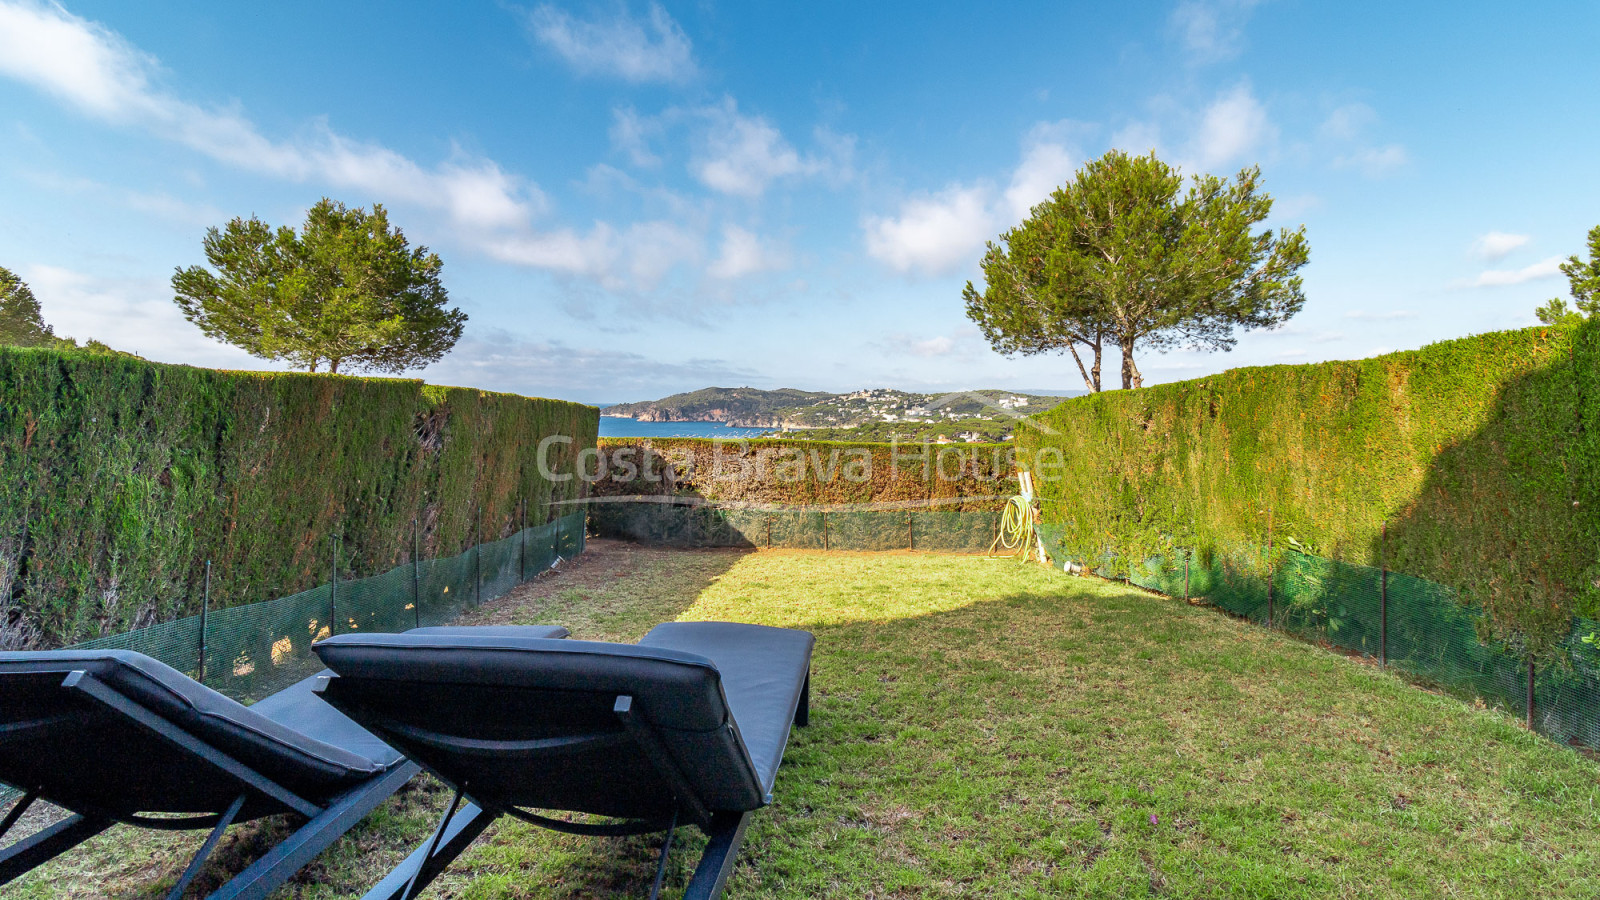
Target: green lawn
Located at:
point(984, 728)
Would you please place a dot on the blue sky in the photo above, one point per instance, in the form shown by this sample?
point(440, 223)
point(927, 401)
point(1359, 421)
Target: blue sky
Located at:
point(636, 199)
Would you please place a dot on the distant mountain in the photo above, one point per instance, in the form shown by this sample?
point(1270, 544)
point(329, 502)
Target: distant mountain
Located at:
point(743, 406)
point(877, 409)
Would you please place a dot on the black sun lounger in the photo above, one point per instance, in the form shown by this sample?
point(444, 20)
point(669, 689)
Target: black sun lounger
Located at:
point(688, 724)
point(114, 736)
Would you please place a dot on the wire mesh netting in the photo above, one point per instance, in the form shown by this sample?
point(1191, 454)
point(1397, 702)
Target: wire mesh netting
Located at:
point(704, 525)
point(250, 651)
point(1417, 625)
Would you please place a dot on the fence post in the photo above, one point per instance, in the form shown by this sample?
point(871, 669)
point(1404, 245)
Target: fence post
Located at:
point(477, 560)
point(825, 529)
point(1383, 595)
point(416, 572)
point(1269, 567)
point(911, 534)
point(205, 605)
point(522, 539)
point(1530, 693)
point(1188, 554)
point(333, 586)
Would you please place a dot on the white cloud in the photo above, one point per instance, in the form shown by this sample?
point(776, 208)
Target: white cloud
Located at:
point(933, 234)
point(741, 154)
point(934, 346)
point(937, 233)
point(620, 45)
point(1496, 245)
point(1139, 138)
point(631, 133)
point(503, 361)
point(133, 314)
point(1047, 163)
point(1544, 268)
point(1348, 122)
point(636, 258)
point(100, 74)
point(733, 153)
point(1374, 162)
point(1233, 126)
point(1211, 30)
point(743, 253)
point(157, 203)
point(1346, 128)
point(167, 206)
point(1295, 206)
point(655, 248)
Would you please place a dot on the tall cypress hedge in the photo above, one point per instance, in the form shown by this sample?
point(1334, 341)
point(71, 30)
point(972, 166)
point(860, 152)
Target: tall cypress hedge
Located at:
point(123, 477)
point(1481, 457)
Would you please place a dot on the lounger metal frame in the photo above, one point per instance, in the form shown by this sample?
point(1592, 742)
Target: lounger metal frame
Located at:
point(326, 821)
point(462, 821)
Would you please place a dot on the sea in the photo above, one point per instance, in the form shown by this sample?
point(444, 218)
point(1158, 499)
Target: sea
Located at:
point(623, 426)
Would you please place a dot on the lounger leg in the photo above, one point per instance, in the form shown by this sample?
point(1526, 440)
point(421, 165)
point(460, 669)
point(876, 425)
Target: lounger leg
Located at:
point(45, 845)
point(17, 809)
point(424, 865)
point(199, 861)
point(268, 873)
point(726, 834)
point(802, 713)
point(661, 865)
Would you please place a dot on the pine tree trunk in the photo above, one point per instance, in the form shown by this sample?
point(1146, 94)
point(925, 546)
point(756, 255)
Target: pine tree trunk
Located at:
point(1130, 372)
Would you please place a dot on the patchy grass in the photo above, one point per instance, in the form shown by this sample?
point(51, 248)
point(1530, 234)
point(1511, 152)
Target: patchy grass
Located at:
point(981, 728)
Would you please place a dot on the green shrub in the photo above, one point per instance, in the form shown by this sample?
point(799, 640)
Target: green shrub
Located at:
point(124, 477)
point(1478, 455)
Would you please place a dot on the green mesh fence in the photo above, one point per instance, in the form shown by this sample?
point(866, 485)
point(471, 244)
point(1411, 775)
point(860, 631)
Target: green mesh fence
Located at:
point(248, 652)
point(796, 528)
point(1418, 626)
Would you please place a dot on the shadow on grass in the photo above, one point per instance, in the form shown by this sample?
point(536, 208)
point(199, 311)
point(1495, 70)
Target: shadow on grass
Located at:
point(1006, 731)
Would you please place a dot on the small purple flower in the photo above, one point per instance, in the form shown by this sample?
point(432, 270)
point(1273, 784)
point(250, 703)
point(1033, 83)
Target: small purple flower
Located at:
point(1155, 819)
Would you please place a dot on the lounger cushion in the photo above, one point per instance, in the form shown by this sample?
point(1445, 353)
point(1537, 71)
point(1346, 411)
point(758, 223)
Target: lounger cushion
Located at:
point(299, 709)
point(763, 674)
point(524, 631)
point(101, 759)
point(507, 688)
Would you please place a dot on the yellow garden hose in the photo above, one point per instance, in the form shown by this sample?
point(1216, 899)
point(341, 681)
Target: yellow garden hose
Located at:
point(1019, 533)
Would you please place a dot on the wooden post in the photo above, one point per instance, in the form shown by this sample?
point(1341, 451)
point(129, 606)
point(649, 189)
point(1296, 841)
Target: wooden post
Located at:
point(416, 571)
point(1186, 557)
point(522, 539)
point(477, 560)
point(911, 534)
point(825, 529)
